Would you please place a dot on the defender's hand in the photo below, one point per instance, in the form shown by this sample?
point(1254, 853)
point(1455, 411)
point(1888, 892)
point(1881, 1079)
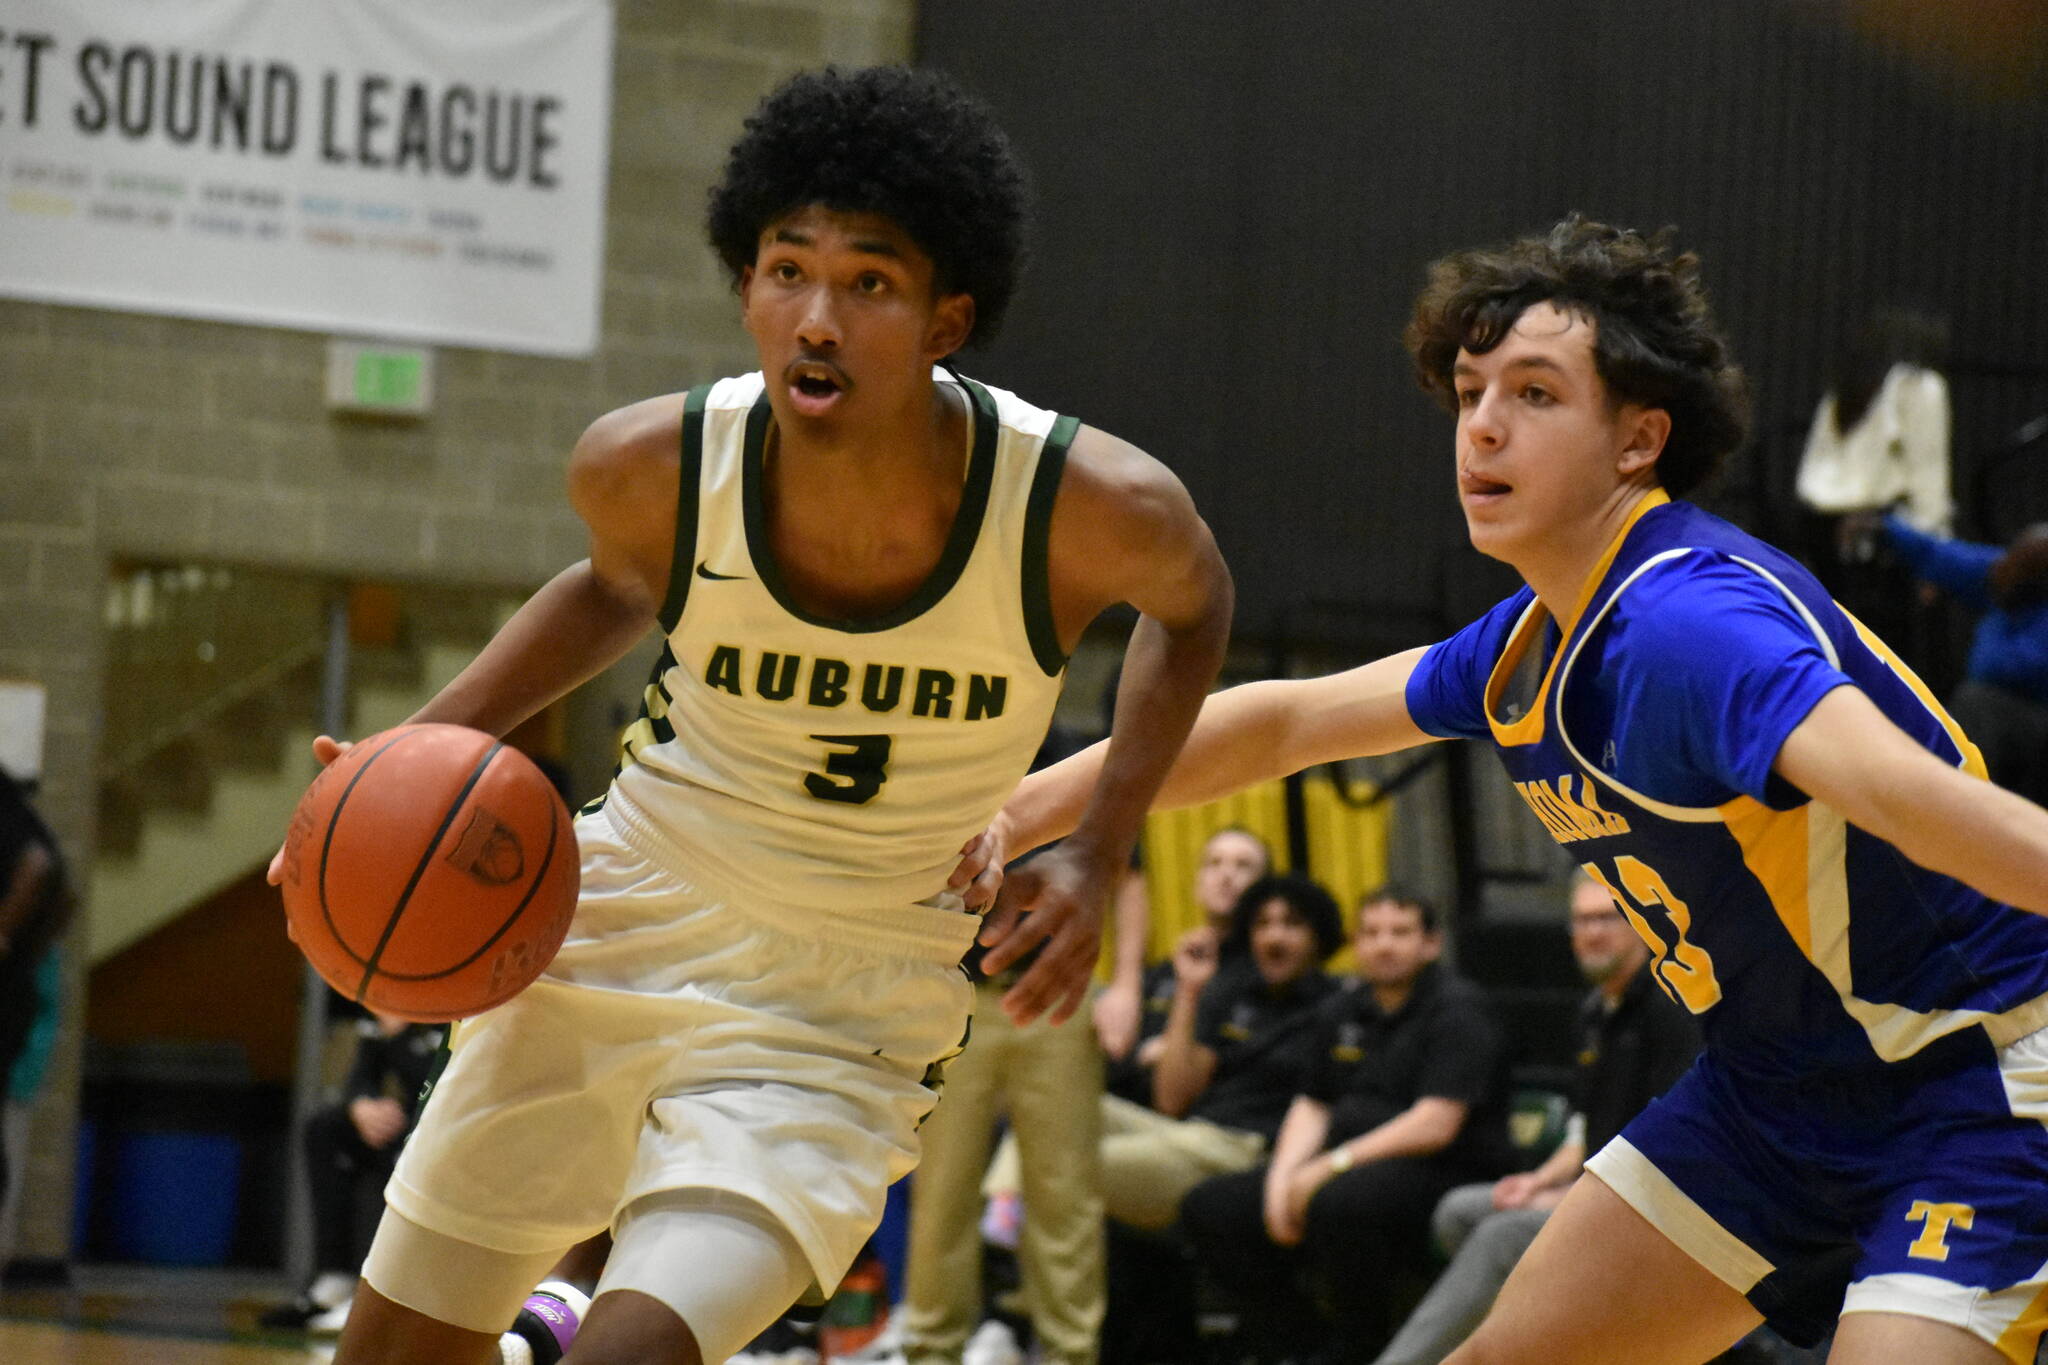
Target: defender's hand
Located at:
point(1057, 899)
point(978, 876)
point(326, 749)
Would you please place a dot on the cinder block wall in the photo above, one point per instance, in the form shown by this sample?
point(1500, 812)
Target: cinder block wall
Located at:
point(131, 435)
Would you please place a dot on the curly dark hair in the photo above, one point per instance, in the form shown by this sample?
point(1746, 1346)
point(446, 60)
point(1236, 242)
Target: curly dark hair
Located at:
point(1309, 902)
point(1655, 339)
point(903, 143)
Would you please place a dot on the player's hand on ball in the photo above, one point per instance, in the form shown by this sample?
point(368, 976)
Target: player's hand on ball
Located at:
point(326, 749)
point(978, 876)
point(1056, 899)
point(430, 873)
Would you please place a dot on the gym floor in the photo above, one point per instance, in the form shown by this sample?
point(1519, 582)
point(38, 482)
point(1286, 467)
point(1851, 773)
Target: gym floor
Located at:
point(125, 1316)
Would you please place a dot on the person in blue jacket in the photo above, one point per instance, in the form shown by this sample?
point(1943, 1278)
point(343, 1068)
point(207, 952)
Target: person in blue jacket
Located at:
point(2003, 699)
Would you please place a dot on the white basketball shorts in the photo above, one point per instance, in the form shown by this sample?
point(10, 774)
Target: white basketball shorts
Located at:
point(683, 1039)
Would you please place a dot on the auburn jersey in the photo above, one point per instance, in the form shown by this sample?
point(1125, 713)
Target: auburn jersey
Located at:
point(812, 761)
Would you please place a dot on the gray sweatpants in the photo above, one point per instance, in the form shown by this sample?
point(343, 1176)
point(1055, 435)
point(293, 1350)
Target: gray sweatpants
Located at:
point(1483, 1244)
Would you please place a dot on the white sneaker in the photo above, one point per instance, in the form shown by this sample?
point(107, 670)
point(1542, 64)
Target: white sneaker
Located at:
point(993, 1343)
point(867, 1355)
point(332, 1321)
point(796, 1355)
point(330, 1288)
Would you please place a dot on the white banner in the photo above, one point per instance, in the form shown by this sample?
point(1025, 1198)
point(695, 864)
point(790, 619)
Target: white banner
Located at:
point(431, 170)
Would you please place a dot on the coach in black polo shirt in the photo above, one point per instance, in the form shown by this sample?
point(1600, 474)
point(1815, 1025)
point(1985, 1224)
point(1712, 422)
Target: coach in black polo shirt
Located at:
point(1238, 1044)
point(1239, 1041)
point(1406, 1099)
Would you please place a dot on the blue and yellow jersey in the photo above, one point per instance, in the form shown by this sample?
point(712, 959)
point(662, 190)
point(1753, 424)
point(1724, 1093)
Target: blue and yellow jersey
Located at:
point(1644, 741)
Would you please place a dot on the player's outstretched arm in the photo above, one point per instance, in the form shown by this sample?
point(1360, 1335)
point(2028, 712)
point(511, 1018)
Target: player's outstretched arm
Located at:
point(1245, 735)
point(1848, 755)
point(622, 482)
point(1123, 530)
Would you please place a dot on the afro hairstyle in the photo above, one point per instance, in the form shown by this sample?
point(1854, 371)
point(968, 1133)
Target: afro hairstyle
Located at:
point(1306, 899)
point(906, 144)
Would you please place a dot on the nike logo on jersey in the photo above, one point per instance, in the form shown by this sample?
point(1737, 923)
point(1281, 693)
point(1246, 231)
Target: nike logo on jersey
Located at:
point(704, 570)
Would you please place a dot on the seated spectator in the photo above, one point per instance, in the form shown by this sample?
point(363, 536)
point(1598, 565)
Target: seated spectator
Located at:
point(1234, 1051)
point(2002, 703)
point(1129, 1018)
point(36, 904)
point(351, 1146)
point(1405, 1100)
point(1634, 1042)
point(1232, 860)
point(1130, 1014)
point(23, 1084)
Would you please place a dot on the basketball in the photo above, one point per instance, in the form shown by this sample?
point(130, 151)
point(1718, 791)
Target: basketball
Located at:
point(430, 872)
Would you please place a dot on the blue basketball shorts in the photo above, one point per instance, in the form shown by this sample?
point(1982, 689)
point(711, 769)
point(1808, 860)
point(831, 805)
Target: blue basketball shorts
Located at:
point(1919, 1189)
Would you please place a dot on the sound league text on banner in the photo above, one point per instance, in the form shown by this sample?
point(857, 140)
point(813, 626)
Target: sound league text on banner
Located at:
point(241, 105)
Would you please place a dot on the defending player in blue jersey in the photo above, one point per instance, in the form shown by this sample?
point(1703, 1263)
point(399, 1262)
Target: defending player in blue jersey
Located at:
point(1774, 800)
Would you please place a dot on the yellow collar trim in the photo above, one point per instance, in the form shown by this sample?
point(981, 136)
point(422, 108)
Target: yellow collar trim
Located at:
point(1529, 728)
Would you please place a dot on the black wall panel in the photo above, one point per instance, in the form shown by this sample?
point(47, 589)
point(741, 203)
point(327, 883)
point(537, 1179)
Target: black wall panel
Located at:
point(1237, 201)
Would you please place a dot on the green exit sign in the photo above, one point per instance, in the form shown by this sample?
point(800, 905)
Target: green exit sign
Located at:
point(373, 378)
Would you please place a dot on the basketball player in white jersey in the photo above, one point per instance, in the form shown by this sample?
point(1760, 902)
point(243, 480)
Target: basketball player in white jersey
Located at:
point(869, 574)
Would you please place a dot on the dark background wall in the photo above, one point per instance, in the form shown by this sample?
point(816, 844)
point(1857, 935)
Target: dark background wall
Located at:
point(1237, 201)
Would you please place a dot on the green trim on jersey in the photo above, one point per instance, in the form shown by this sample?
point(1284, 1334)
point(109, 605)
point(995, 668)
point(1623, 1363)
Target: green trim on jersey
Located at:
point(967, 521)
point(1039, 625)
point(689, 474)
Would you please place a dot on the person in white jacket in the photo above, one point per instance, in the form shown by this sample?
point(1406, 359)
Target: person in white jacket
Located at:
point(1880, 436)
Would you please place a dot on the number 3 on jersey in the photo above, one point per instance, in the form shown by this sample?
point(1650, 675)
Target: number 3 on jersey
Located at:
point(1682, 967)
point(854, 772)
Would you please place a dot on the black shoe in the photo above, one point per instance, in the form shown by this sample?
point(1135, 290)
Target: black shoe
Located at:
point(789, 1334)
point(292, 1316)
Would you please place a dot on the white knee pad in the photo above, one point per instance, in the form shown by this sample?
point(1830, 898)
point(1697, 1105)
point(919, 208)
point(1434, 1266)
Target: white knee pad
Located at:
point(451, 1280)
point(718, 1260)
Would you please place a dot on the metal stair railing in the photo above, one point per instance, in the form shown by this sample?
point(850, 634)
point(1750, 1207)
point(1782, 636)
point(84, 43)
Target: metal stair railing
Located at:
point(187, 644)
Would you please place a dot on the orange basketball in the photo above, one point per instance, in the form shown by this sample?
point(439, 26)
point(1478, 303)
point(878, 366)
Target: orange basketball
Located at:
point(430, 872)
